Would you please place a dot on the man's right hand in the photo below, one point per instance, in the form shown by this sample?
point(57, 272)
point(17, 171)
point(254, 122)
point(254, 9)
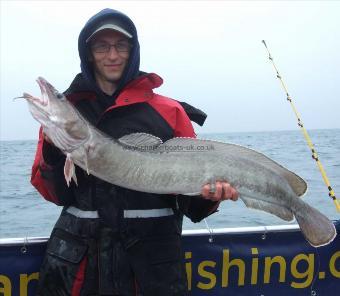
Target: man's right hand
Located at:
point(223, 191)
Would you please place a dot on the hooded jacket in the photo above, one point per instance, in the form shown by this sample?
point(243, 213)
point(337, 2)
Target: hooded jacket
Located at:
point(132, 69)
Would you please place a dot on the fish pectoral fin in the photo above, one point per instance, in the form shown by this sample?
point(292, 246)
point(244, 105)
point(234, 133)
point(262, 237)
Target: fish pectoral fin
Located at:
point(274, 209)
point(140, 141)
point(69, 170)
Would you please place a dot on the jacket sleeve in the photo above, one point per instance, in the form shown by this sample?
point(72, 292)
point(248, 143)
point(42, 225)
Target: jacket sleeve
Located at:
point(196, 208)
point(48, 173)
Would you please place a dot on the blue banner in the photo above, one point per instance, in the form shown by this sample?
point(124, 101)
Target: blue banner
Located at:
point(245, 263)
point(273, 263)
point(19, 268)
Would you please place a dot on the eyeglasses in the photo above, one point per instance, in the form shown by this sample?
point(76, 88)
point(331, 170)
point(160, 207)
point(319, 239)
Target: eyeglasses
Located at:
point(106, 47)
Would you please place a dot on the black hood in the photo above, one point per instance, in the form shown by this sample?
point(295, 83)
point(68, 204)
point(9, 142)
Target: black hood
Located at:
point(132, 69)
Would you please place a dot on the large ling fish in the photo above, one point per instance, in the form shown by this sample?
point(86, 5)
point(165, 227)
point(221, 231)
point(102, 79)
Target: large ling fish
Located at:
point(181, 165)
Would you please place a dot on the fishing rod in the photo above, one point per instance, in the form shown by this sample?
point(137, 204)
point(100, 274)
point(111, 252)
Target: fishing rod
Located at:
point(306, 135)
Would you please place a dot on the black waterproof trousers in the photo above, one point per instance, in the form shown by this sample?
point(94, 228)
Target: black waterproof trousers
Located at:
point(84, 257)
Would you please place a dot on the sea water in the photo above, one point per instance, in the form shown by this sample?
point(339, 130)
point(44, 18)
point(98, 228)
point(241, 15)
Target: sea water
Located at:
point(24, 213)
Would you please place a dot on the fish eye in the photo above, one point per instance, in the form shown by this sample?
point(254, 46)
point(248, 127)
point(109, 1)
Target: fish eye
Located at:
point(58, 95)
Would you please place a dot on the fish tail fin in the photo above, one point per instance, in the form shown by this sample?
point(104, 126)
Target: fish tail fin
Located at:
point(315, 226)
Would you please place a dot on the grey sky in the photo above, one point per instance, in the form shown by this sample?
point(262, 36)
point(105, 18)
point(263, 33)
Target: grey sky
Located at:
point(209, 54)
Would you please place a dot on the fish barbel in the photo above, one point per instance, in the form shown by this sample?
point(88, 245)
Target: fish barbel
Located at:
point(180, 166)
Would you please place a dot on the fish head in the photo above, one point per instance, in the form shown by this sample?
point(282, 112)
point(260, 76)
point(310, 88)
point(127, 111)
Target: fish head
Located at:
point(54, 104)
point(60, 120)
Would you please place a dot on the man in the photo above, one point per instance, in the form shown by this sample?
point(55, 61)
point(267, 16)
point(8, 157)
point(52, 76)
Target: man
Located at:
point(99, 245)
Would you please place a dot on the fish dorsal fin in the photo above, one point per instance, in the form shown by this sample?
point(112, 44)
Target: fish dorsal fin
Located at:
point(141, 141)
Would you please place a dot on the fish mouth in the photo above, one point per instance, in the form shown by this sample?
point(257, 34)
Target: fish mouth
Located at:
point(46, 89)
point(44, 84)
point(39, 106)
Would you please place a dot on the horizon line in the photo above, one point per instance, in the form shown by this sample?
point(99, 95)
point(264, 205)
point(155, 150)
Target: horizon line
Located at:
point(206, 133)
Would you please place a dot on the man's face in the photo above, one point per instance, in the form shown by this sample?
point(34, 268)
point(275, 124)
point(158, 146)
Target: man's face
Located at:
point(109, 61)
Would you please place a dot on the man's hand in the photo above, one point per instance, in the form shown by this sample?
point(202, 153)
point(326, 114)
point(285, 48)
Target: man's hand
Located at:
point(223, 191)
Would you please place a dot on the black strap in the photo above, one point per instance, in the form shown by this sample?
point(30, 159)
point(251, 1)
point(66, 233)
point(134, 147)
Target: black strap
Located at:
point(195, 115)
